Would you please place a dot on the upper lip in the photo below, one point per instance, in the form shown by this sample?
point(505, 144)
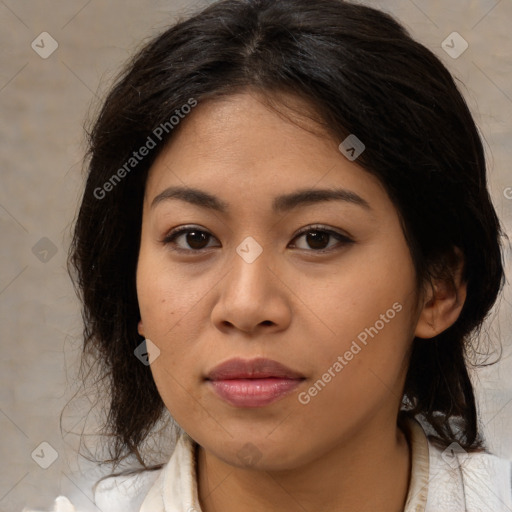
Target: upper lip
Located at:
point(259, 368)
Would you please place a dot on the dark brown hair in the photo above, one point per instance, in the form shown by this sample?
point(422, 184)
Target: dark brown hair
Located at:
point(362, 74)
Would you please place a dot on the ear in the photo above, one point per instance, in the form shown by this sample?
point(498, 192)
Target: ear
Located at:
point(443, 302)
point(140, 329)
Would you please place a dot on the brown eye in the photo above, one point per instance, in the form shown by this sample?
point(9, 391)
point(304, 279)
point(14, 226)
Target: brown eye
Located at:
point(188, 239)
point(319, 240)
point(197, 239)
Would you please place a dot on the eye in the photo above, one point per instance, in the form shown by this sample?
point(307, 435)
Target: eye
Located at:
point(192, 239)
point(318, 238)
point(188, 239)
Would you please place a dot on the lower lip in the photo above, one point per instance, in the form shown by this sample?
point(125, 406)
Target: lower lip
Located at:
point(254, 392)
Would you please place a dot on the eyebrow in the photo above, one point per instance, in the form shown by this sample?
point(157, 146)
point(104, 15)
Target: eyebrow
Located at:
point(280, 204)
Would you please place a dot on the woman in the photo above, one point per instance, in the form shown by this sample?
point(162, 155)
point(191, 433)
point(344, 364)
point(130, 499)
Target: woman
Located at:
point(287, 243)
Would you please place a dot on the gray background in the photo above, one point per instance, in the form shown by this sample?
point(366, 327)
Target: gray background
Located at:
point(44, 103)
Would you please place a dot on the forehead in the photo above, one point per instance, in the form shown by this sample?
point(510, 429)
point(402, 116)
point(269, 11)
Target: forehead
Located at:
point(248, 121)
point(240, 148)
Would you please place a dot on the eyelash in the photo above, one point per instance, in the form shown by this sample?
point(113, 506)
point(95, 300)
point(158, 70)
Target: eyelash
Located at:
point(170, 238)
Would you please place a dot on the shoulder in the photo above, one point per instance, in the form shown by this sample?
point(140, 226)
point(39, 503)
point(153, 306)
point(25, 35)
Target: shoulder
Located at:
point(114, 494)
point(143, 489)
point(61, 504)
point(478, 480)
point(125, 493)
point(173, 483)
point(446, 477)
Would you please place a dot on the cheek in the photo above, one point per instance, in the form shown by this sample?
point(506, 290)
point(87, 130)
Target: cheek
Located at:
point(169, 303)
point(166, 294)
point(370, 309)
point(168, 318)
point(363, 293)
point(362, 366)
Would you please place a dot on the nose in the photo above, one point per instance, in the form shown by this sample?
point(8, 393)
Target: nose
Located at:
point(252, 298)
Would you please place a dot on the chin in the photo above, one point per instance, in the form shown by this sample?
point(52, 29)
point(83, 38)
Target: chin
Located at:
point(258, 453)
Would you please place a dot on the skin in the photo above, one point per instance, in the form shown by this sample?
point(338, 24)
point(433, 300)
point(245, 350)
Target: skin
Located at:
point(343, 450)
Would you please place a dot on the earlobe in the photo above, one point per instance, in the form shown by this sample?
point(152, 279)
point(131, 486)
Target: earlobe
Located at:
point(442, 305)
point(140, 329)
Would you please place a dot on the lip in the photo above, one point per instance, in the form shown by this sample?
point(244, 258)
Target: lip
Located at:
point(252, 383)
point(259, 368)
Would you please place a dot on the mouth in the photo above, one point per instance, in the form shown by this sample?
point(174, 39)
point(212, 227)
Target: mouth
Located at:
point(254, 382)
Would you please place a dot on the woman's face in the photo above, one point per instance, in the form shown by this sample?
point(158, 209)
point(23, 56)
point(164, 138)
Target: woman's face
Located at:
point(321, 283)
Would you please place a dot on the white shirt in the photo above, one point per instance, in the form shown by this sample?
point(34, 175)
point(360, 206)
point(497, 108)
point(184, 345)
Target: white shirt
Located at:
point(448, 480)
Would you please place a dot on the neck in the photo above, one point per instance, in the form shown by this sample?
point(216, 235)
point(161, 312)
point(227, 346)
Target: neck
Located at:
point(368, 472)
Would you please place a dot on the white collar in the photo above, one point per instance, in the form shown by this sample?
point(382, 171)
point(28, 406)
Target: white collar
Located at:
point(175, 490)
point(475, 482)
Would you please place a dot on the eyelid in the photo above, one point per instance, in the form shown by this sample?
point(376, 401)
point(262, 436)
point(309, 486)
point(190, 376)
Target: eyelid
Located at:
point(343, 238)
point(176, 232)
point(322, 227)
